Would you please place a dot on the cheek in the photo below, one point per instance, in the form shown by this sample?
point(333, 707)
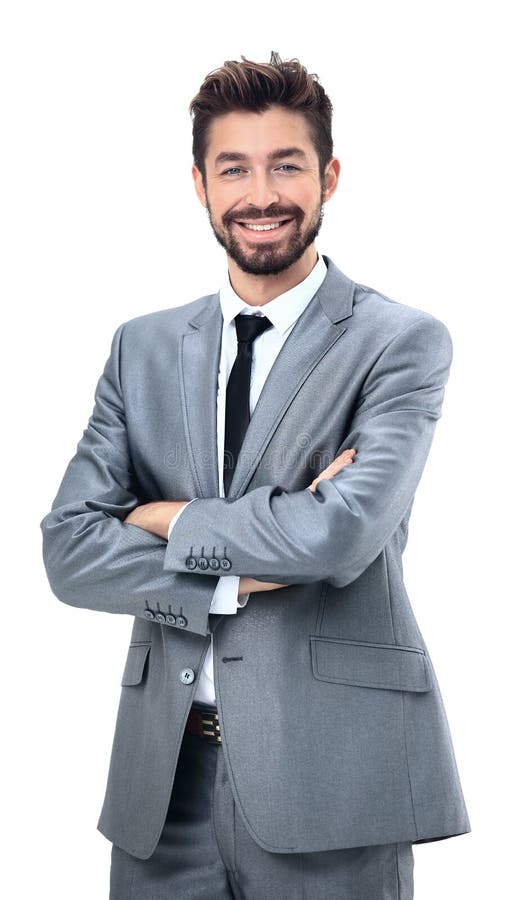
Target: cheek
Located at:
point(225, 203)
point(306, 195)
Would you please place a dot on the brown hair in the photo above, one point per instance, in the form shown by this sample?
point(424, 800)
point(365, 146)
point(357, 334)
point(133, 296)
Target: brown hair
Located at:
point(255, 87)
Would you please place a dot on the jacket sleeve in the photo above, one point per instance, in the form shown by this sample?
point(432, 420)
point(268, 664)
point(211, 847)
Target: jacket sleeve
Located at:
point(226, 599)
point(335, 532)
point(94, 559)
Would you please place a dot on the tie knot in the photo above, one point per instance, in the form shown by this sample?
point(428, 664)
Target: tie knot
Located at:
point(250, 326)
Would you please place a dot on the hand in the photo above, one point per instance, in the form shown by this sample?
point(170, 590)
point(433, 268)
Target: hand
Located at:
point(251, 585)
point(344, 459)
point(155, 517)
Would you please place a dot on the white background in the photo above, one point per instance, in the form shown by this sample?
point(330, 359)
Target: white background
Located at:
point(100, 223)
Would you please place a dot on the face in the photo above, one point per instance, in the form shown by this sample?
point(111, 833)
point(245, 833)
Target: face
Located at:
point(263, 190)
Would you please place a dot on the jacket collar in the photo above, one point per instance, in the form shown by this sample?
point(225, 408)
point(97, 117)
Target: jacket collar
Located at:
point(284, 310)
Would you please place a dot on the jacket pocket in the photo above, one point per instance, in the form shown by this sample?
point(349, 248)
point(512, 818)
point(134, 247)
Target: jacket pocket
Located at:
point(135, 663)
point(365, 664)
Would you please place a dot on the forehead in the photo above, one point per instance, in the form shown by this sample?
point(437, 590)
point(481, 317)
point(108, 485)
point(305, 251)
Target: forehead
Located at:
point(258, 134)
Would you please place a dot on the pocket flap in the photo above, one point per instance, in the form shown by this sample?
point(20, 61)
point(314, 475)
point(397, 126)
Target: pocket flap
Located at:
point(388, 666)
point(135, 662)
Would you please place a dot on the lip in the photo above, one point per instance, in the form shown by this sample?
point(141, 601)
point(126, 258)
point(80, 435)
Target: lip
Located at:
point(262, 236)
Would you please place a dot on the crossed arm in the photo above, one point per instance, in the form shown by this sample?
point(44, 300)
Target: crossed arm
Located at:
point(98, 557)
point(155, 517)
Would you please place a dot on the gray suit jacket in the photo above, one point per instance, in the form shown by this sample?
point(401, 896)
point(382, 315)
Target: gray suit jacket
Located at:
point(334, 730)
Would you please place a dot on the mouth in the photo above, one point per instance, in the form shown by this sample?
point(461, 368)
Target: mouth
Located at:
point(264, 229)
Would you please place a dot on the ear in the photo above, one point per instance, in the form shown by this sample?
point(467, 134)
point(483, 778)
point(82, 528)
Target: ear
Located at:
point(332, 170)
point(199, 185)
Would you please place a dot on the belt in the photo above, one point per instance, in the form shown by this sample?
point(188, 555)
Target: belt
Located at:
point(204, 722)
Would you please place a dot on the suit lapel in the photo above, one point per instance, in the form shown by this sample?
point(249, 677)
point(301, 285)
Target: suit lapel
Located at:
point(318, 328)
point(199, 360)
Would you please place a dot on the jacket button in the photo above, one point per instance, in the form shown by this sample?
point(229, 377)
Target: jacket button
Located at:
point(225, 563)
point(187, 676)
point(181, 621)
point(214, 563)
point(191, 562)
point(160, 617)
point(170, 619)
point(203, 562)
point(148, 614)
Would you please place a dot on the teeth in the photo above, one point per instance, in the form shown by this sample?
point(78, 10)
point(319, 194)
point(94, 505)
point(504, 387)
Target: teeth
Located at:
point(262, 227)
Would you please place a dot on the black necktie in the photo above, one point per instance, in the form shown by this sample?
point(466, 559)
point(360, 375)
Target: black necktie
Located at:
point(238, 391)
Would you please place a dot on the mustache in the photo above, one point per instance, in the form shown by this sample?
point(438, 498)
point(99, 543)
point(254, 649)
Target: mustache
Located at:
point(271, 212)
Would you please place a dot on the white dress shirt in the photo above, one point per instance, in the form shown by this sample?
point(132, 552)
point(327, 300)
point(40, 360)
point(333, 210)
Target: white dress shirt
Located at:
point(283, 312)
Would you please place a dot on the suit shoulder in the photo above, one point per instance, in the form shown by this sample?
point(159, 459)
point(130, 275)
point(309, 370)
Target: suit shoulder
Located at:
point(170, 319)
point(392, 317)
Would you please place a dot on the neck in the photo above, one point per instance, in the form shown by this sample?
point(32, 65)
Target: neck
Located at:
point(256, 290)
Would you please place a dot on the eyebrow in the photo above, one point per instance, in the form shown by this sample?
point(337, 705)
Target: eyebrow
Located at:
point(281, 153)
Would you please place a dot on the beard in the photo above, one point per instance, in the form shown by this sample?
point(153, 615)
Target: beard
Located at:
point(268, 258)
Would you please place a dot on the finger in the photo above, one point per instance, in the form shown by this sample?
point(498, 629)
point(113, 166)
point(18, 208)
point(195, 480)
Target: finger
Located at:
point(347, 454)
point(339, 462)
point(344, 459)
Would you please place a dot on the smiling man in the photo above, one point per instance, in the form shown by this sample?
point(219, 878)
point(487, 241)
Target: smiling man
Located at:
point(281, 731)
point(265, 204)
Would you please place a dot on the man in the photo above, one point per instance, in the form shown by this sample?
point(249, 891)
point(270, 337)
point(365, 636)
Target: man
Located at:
point(281, 731)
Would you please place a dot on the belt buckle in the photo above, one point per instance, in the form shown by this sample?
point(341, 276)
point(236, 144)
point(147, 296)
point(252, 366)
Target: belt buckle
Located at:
point(210, 727)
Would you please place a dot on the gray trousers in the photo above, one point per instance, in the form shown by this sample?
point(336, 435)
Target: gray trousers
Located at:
point(205, 852)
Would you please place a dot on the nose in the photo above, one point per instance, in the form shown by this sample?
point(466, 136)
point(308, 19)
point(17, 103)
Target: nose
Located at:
point(261, 192)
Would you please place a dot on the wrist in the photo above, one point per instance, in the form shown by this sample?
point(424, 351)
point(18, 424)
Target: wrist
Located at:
point(155, 517)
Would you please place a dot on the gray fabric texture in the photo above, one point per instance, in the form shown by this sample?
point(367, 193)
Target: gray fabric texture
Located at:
point(348, 743)
point(205, 852)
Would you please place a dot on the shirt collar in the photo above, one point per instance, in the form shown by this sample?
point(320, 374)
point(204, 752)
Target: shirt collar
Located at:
point(283, 310)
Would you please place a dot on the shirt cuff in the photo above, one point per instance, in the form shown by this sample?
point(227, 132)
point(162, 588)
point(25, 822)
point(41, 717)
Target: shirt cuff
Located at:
point(177, 514)
point(225, 599)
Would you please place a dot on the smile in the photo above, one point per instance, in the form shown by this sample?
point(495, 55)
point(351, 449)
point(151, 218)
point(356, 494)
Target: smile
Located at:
point(270, 227)
point(263, 230)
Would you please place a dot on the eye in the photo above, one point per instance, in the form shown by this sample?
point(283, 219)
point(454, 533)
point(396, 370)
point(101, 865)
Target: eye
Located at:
point(232, 170)
point(288, 167)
